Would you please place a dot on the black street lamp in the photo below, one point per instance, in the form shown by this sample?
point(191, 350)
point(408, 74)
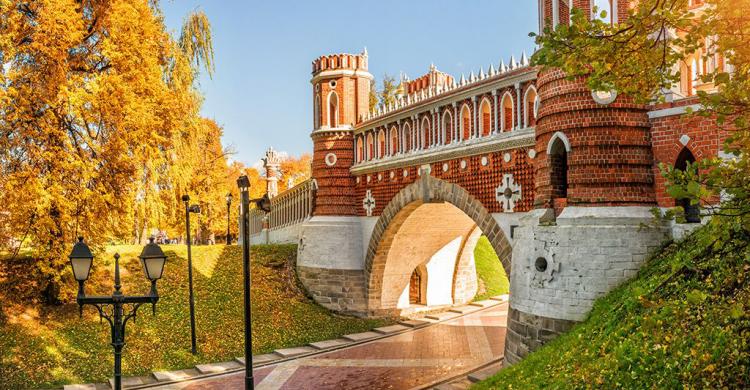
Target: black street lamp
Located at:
point(229, 204)
point(244, 185)
point(152, 260)
point(190, 209)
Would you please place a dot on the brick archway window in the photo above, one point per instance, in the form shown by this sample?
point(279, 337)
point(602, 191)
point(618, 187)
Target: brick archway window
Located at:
point(333, 109)
point(370, 147)
point(317, 111)
point(558, 169)
point(529, 111)
point(507, 112)
point(447, 127)
point(381, 144)
point(425, 136)
point(692, 211)
point(407, 138)
point(360, 149)
point(394, 140)
point(485, 123)
point(465, 122)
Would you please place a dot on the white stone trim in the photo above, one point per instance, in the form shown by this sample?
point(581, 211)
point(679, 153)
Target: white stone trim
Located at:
point(491, 143)
point(561, 136)
point(526, 105)
point(674, 111)
point(341, 72)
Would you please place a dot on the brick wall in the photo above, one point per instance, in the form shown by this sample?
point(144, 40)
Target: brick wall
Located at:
point(705, 141)
point(479, 180)
point(335, 194)
point(611, 162)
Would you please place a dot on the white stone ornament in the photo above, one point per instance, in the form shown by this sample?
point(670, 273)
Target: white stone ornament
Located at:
point(368, 178)
point(684, 139)
point(445, 167)
point(392, 175)
point(331, 159)
point(485, 161)
point(463, 164)
point(406, 172)
point(358, 179)
point(508, 193)
point(506, 157)
point(532, 153)
point(380, 176)
point(604, 97)
point(368, 203)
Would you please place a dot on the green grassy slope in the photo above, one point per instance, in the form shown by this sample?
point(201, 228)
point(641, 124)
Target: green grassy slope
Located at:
point(683, 322)
point(42, 346)
point(490, 272)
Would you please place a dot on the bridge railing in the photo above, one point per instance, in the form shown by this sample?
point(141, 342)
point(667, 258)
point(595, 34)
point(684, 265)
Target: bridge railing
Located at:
point(256, 221)
point(292, 206)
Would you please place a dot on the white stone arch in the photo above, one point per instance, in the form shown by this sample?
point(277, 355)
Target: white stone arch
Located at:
point(504, 126)
point(526, 109)
point(332, 102)
point(317, 111)
point(464, 109)
point(393, 146)
point(369, 146)
point(561, 136)
point(380, 144)
point(447, 126)
point(406, 136)
point(484, 103)
point(423, 141)
point(359, 149)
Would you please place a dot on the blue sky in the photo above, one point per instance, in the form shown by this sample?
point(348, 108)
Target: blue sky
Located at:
point(261, 93)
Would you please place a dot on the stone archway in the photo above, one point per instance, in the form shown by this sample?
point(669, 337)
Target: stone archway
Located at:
point(428, 197)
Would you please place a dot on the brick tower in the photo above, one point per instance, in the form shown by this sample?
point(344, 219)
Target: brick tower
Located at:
point(594, 190)
point(341, 90)
point(330, 251)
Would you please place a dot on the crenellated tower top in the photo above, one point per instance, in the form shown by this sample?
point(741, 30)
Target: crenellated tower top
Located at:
point(341, 91)
point(342, 61)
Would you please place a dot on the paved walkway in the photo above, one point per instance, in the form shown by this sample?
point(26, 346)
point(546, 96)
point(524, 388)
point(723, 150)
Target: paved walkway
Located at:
point(414, 359)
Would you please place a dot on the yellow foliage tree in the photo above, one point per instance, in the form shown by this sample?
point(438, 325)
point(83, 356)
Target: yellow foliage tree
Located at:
point(97, 104)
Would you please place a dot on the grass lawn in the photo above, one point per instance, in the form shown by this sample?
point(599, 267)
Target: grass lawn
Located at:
point(44, 346)
point(683, 322)
point(490, 271)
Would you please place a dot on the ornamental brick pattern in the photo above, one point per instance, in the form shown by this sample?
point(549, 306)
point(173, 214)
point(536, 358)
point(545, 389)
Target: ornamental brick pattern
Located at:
point(336, 193)
point(610, 162)
point(479, 180)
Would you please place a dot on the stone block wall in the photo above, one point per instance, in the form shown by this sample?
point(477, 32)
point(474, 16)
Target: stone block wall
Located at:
point(340, 290)
point(560, 269)
point(527, 332)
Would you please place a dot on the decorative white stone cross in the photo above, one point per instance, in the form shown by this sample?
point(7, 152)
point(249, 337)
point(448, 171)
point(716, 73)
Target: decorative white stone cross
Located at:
point(368, 203)
point(508, 193)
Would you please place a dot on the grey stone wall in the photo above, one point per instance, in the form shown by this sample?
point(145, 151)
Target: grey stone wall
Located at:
point(335, 289)
point(587, 252)
point(560, 266)
point(527, 332)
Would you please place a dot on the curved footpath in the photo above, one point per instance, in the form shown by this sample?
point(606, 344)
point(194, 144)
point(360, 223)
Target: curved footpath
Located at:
point(434, 355)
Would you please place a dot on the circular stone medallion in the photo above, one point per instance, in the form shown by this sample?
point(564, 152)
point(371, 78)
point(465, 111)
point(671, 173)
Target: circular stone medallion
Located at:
point(506, 157)
point(445, 167)
point(485, 161)
point(463, 164)
point(604, 97)
point(532, 153)
point(331, 159)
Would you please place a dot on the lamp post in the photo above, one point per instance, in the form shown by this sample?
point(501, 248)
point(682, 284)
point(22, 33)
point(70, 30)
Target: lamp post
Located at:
point(229, 204)
point(190, 209)
point(244, 185)
point(264, 203)
point(152, 260)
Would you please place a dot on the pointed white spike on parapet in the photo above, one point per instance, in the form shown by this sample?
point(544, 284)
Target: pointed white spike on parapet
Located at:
point(492, 70)
point(503, 67)
point(481, 73)
point(463, 80)
point(512, 62)
point(524, 59)
point(472, 77)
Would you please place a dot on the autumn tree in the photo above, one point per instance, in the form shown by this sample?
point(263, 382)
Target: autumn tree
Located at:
point(294, 170)
point(94, 95)
point(640, 57)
